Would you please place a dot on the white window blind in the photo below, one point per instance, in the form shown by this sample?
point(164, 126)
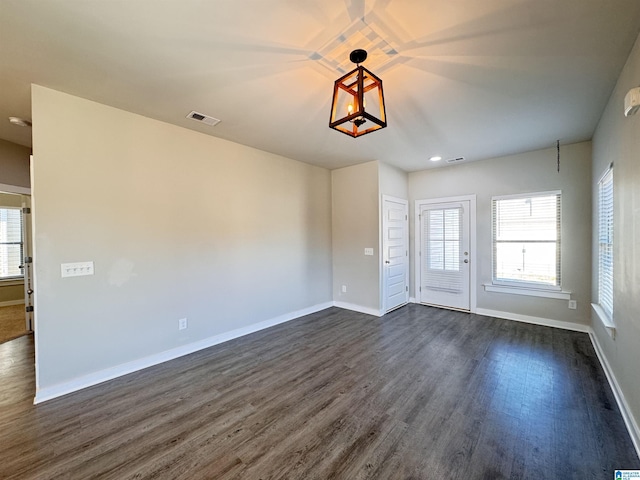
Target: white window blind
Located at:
point(526, 240)
point(443, 228)
point(442, 237)
point(10, 242)
point(605, 243)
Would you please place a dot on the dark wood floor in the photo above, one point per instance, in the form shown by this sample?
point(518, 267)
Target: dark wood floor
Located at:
point(421, 393)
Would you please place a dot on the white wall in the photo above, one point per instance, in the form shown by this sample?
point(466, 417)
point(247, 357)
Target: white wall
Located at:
point(393, 181)
point(617, 140)
point(355, 194)
point(179, 224)
point(524, 173)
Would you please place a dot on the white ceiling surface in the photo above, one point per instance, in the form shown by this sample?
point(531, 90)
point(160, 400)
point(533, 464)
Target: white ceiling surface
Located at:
point(469, 78)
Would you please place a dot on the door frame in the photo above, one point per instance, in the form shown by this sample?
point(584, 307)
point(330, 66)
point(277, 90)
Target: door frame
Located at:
point(26, 242)
point(417, 271)
point(383, 283)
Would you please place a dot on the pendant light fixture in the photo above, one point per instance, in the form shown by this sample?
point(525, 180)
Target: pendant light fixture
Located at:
point(358, 103)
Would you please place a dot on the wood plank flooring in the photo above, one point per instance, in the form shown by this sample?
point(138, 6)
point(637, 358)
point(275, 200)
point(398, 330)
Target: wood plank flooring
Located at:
point(420, 393)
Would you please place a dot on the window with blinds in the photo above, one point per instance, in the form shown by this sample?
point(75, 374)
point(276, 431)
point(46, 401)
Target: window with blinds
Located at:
point(443, 233)
point(526, 240)
point(605, 243)
point(11, 248)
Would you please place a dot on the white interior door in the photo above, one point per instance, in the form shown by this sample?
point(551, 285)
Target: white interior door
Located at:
point(395, 248)
point(444, 255)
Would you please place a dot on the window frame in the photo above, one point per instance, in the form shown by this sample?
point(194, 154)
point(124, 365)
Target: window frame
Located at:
point(15, 279)
point(523, 286)
point(603, 309)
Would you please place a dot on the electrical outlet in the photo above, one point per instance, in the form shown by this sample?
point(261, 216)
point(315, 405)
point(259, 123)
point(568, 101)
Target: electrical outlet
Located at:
point(182, 324)
point(573, 304)
point(344, 289)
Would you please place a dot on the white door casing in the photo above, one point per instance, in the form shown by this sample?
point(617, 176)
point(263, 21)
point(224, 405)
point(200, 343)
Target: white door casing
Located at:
point(445, 252)
point(27, 262)
point(395, 252)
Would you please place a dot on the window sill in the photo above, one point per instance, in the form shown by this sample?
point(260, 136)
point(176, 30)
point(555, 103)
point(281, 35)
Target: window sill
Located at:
point(531, 292)
point(11, 281)
point(608, 324)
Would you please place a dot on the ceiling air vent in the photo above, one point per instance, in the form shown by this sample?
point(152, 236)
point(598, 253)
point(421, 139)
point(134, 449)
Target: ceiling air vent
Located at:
point(206, 119)
point(455, 160)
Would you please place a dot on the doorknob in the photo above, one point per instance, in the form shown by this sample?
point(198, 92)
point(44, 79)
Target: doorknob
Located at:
point(387, 261)
point(466, 261)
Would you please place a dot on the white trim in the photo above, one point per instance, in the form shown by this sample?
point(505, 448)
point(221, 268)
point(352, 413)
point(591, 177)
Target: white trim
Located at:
point(607, 323)
point(532, 292)
point(547, 322)
point(34, 276)
point(627, 415)
point(526, 195)
point(473, 257)
point(359, 308)
point(48, 393)
point(5, 188)
point(604, 174)
point(412, 300)
point(8, 303)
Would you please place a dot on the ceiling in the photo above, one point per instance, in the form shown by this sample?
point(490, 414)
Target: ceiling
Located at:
point(461, 77)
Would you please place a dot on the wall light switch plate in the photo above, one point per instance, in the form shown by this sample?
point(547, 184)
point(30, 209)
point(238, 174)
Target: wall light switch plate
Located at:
point(573, 304)
point(368, 251)
point(77, 269)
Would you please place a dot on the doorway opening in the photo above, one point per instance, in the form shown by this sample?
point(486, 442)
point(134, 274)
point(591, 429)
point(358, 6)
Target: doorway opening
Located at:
point(16, 286)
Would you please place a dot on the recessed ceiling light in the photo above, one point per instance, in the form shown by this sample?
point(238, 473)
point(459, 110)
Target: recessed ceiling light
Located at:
point(436, 158)
point(21, 122)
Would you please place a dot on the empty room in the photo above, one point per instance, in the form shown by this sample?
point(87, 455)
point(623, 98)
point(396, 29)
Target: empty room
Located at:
point(340, 239)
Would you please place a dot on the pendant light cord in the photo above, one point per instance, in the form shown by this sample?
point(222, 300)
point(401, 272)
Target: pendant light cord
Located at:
point(558, 150)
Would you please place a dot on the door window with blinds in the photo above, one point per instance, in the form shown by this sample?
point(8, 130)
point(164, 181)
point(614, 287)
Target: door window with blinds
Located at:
point(605, 243)
point(11, 247)
point(443, 246)
point(526, 240)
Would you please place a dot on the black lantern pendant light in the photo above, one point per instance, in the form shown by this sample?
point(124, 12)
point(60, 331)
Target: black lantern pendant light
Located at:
point(355, 96)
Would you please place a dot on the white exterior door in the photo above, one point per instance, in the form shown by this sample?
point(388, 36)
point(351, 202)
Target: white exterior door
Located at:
point(445, 254)
point(395, 252)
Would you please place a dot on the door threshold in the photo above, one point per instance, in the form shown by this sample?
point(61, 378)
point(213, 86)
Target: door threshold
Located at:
point(396, 308)
point(445, 307)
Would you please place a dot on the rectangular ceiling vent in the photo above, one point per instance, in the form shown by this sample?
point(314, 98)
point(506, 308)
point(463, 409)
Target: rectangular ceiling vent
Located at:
point(455, 160)
point(206, 119)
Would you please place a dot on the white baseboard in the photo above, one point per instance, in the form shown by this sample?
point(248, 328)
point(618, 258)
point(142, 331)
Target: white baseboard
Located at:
point(358, 308)
point(547, 322)
point(627, 415)
point(48, 393)
point(412, 300)
point(8, 303)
